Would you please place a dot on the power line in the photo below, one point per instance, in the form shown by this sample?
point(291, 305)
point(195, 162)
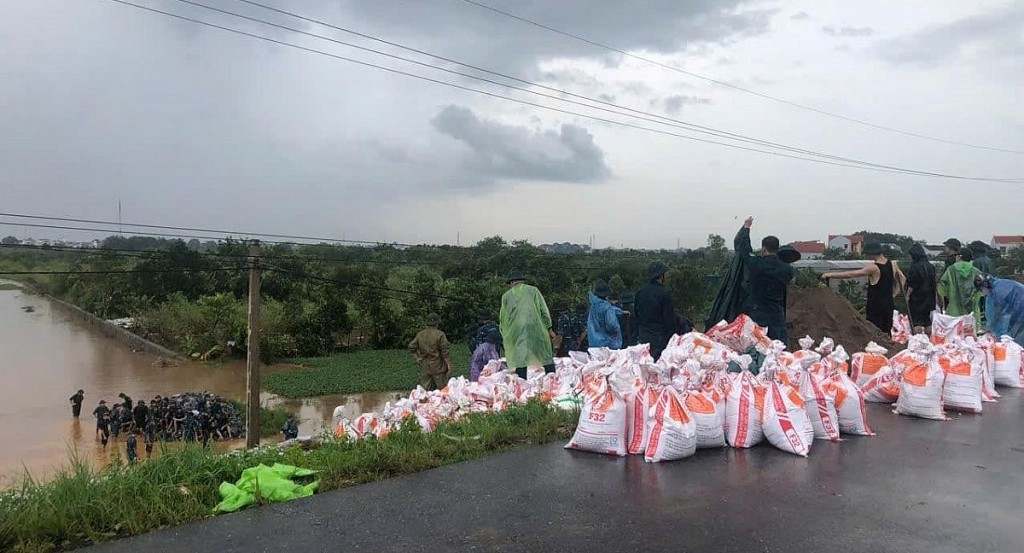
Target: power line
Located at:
point(736, 87)
point(124, 271)
point(644, 115)
point(551, 108)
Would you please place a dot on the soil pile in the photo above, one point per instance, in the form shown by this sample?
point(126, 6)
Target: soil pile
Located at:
point(820, 313)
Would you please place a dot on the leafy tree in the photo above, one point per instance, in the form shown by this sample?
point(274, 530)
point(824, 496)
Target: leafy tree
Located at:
point(11, 241)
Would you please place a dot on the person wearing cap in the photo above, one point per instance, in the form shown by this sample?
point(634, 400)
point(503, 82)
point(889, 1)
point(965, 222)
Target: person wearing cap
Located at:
point(1004, 305)
point(102, 414)
point(953, 247)
point(769, 277)
point(957, 290)
point(485, 325)
point(603, 330)
point(655, 311)
point(921, 279)
point(525, 324)
point(885, 281)
point(432, 351)
point(76, 403)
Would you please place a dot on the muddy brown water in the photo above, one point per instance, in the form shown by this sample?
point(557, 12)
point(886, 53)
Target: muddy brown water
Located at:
point(45, 356)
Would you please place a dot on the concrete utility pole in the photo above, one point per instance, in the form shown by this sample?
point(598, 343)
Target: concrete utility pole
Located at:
point(252, 365)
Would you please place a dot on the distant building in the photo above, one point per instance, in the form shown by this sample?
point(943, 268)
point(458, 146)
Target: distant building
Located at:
point(809, 250)
point(849, 243)
point(1006, 243)
point(564, 248)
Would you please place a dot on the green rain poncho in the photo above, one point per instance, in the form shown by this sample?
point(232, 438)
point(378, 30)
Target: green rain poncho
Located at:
point(525, 321)
point(273, 483)
point(957, 287)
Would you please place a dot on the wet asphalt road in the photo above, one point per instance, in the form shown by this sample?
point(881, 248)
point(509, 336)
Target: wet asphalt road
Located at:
point(918, 486)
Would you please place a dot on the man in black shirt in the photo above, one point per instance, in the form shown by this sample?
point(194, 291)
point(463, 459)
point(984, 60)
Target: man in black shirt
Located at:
point(769, 277)
point(76, 403)
point(655, 311)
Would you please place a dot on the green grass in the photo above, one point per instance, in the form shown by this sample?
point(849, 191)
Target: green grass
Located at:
point(81, 506)
point(271, 420)
point(361, 371)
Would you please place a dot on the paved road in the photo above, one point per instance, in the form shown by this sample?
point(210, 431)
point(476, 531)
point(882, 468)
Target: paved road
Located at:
point(919, 486)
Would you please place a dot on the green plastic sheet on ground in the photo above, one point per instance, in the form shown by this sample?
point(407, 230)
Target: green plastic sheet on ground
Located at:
point(270, 484)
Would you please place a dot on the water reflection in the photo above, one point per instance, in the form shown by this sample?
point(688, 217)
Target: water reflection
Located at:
point(45, 357)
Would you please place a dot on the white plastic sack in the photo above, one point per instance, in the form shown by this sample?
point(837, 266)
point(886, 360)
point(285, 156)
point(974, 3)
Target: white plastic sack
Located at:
point(853, 416)
point(602, 425)
point(708, 414)
point(921, 390)
point(868, 362)
point(883, 387)
point(743, 406)
point(1008, 366)
point(785, 422)
point(962, 388)
point(640, 418)
point(674, 435)
point(820, 407)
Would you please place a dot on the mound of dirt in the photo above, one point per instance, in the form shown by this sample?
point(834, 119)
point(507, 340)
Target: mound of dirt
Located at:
point(820, 313)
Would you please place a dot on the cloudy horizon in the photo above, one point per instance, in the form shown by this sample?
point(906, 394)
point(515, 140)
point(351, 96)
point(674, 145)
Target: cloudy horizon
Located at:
point(191, 126)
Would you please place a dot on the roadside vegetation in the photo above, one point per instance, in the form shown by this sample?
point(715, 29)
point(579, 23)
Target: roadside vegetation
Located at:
point(356, 372)
point(82, 506)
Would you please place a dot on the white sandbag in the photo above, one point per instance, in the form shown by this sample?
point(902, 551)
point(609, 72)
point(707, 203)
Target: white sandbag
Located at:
point(785, 421)
point(1008, 363)
point(962, 387)
point(853, 415)
point(674, 435)
point(921, 389)
point(743, 405)
point(884, 387)
point(708, 412)
point(640, 418)
point(867, 363)
point(602, 425)
point(946, 328)
point(820, 407)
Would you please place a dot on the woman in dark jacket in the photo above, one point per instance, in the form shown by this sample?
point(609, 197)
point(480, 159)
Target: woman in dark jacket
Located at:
point(921, 279)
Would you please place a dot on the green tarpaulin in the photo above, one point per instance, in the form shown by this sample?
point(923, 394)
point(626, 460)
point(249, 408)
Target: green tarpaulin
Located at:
point(271, 484)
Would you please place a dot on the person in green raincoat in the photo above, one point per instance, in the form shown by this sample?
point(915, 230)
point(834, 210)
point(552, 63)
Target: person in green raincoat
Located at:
point(526, 326)
point(956, 287)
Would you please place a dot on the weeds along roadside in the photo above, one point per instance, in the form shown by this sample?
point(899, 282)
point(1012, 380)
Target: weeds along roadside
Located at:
point(82, 506)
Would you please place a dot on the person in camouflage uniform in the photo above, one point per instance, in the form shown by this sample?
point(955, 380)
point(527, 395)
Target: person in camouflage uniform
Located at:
point(571, 329)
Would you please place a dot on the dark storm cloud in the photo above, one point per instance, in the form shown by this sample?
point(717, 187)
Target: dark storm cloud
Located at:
point(999, 33)
point(847, 31)
point(674, 104)
point(486, 37)
point(516, 152)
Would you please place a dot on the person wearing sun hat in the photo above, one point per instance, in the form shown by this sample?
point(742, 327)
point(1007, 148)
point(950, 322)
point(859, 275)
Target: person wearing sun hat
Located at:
point(526, 326)
point(885, 281)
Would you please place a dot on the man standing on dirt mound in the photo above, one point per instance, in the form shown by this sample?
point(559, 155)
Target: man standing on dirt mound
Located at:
point(526, 326)
point(769, 276)
point(885, 280)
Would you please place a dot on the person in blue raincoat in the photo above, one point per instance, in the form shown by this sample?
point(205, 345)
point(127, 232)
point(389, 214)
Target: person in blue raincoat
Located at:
point(603, 330)
point(1004, 306)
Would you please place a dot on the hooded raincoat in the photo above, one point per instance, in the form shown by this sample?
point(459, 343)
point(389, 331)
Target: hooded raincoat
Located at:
point(525, 322)
point(1004, 309)
point(957, 287)
point(603, 329)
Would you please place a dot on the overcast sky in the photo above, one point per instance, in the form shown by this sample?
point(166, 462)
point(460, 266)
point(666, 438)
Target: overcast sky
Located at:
point(192, 126)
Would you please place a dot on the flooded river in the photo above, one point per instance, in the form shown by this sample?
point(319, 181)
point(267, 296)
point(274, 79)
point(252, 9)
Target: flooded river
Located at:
point(45, 356)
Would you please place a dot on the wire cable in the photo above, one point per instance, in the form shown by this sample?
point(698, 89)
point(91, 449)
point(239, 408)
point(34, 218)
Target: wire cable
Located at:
point(122, 271)
point(546, 107)
point(735, 87)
